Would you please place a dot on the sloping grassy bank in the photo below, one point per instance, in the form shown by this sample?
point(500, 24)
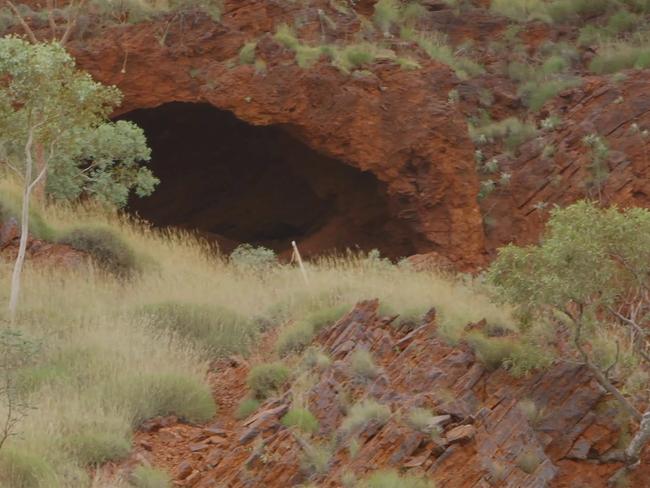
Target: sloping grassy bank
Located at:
point(117, 348)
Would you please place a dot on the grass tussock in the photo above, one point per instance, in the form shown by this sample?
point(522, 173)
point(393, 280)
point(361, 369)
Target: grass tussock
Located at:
point(364, 412)
point(148, 477)
point(302, 419)
point(392, 479)
point(266, 379)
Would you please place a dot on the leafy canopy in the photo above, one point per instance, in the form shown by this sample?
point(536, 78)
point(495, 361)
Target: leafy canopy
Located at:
point(42, 92)
point(589, 256)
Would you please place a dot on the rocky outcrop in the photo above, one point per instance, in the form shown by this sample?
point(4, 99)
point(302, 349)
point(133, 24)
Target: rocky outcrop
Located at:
point(485, 436)
point(615, 109)
point(396, 124)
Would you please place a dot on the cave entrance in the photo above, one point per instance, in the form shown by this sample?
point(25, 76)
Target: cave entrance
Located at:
point(237, 183)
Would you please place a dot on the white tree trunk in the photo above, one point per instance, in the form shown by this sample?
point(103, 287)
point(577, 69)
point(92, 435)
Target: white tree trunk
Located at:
point(24, 230)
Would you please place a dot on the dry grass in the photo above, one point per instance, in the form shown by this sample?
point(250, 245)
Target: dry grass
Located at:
point(104, 368)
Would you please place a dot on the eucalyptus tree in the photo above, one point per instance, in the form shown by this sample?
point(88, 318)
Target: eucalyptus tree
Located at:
point(55, 134)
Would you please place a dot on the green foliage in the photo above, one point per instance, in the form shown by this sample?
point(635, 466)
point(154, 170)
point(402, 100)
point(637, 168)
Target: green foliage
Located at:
point(619, 56)
point(598, 167)
point(21, 469)
point(66, 113)
point(169, 394)
point(246, 408)
point(307, 56)
point(363, 365)
point(436, 46)
point(588, 256)
point(250, 258)
point(96, 447)
point(387, 12)
point(299, 334)
point(316, 458)
point(213, 328)
point(512, 131)
point(302, 419)
point(515, 354)
point(533, 413)
point(549, 11)
point(364, 412)
point(247, 53)
point(106, 248)
point(314, 358)
point(356, 56)
point(286, 36)
point(421, 419)
point(528, 461)
point(392, 479)
point(622, 21)
point(148, 477)
point(266, 379)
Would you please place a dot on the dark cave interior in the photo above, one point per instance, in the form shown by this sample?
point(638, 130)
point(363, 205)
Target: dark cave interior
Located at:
point(234, 183)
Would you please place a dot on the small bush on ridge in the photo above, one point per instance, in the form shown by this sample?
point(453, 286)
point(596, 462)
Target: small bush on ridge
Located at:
point(149, 477)
point(302, 419)
point(364, 412)
point(106, 248)
point(265, 379)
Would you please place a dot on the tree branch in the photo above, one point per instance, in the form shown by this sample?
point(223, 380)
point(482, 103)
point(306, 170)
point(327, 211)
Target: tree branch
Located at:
point(28, 30)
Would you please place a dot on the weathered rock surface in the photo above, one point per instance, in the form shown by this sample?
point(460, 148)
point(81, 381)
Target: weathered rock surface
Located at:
point(396, 124)
point(483, 431)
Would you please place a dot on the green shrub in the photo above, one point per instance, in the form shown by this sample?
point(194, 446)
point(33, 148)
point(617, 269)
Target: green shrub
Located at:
point(387, 12)
point(286, 36)
point(421, 419)
point(521, 10)
point(364, 412)
point(622, 21)
point(298, 335)
point(619, 56)
point(302, 419)
point(363, 365)
point(513, 131)
point(315, 358)
point(528, 461)
point(148, 477)
point(491, 351)
point(106, 248)
point(533, 413)
point(20, 469)
point(295, 337)
point(265, 379)
point(250, 258)
point(93, 448)
point(213, 328)
point(169, 394)
point(536, 94)
point(247, 53)
point(307, 56)
point(528, 357)
point(246, 408)
point(392, 479)
point(316, 458)
point(355, 56)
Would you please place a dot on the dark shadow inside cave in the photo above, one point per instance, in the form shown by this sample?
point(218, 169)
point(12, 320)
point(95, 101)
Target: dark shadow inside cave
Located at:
point(233, 183)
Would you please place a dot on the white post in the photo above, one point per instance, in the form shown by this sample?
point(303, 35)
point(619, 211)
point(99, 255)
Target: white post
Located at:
point(296, 253)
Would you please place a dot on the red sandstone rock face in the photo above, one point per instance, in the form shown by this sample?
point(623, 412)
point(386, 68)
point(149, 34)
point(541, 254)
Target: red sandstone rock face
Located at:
point(396, 124)
point(484, 431)
point(617, 111)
